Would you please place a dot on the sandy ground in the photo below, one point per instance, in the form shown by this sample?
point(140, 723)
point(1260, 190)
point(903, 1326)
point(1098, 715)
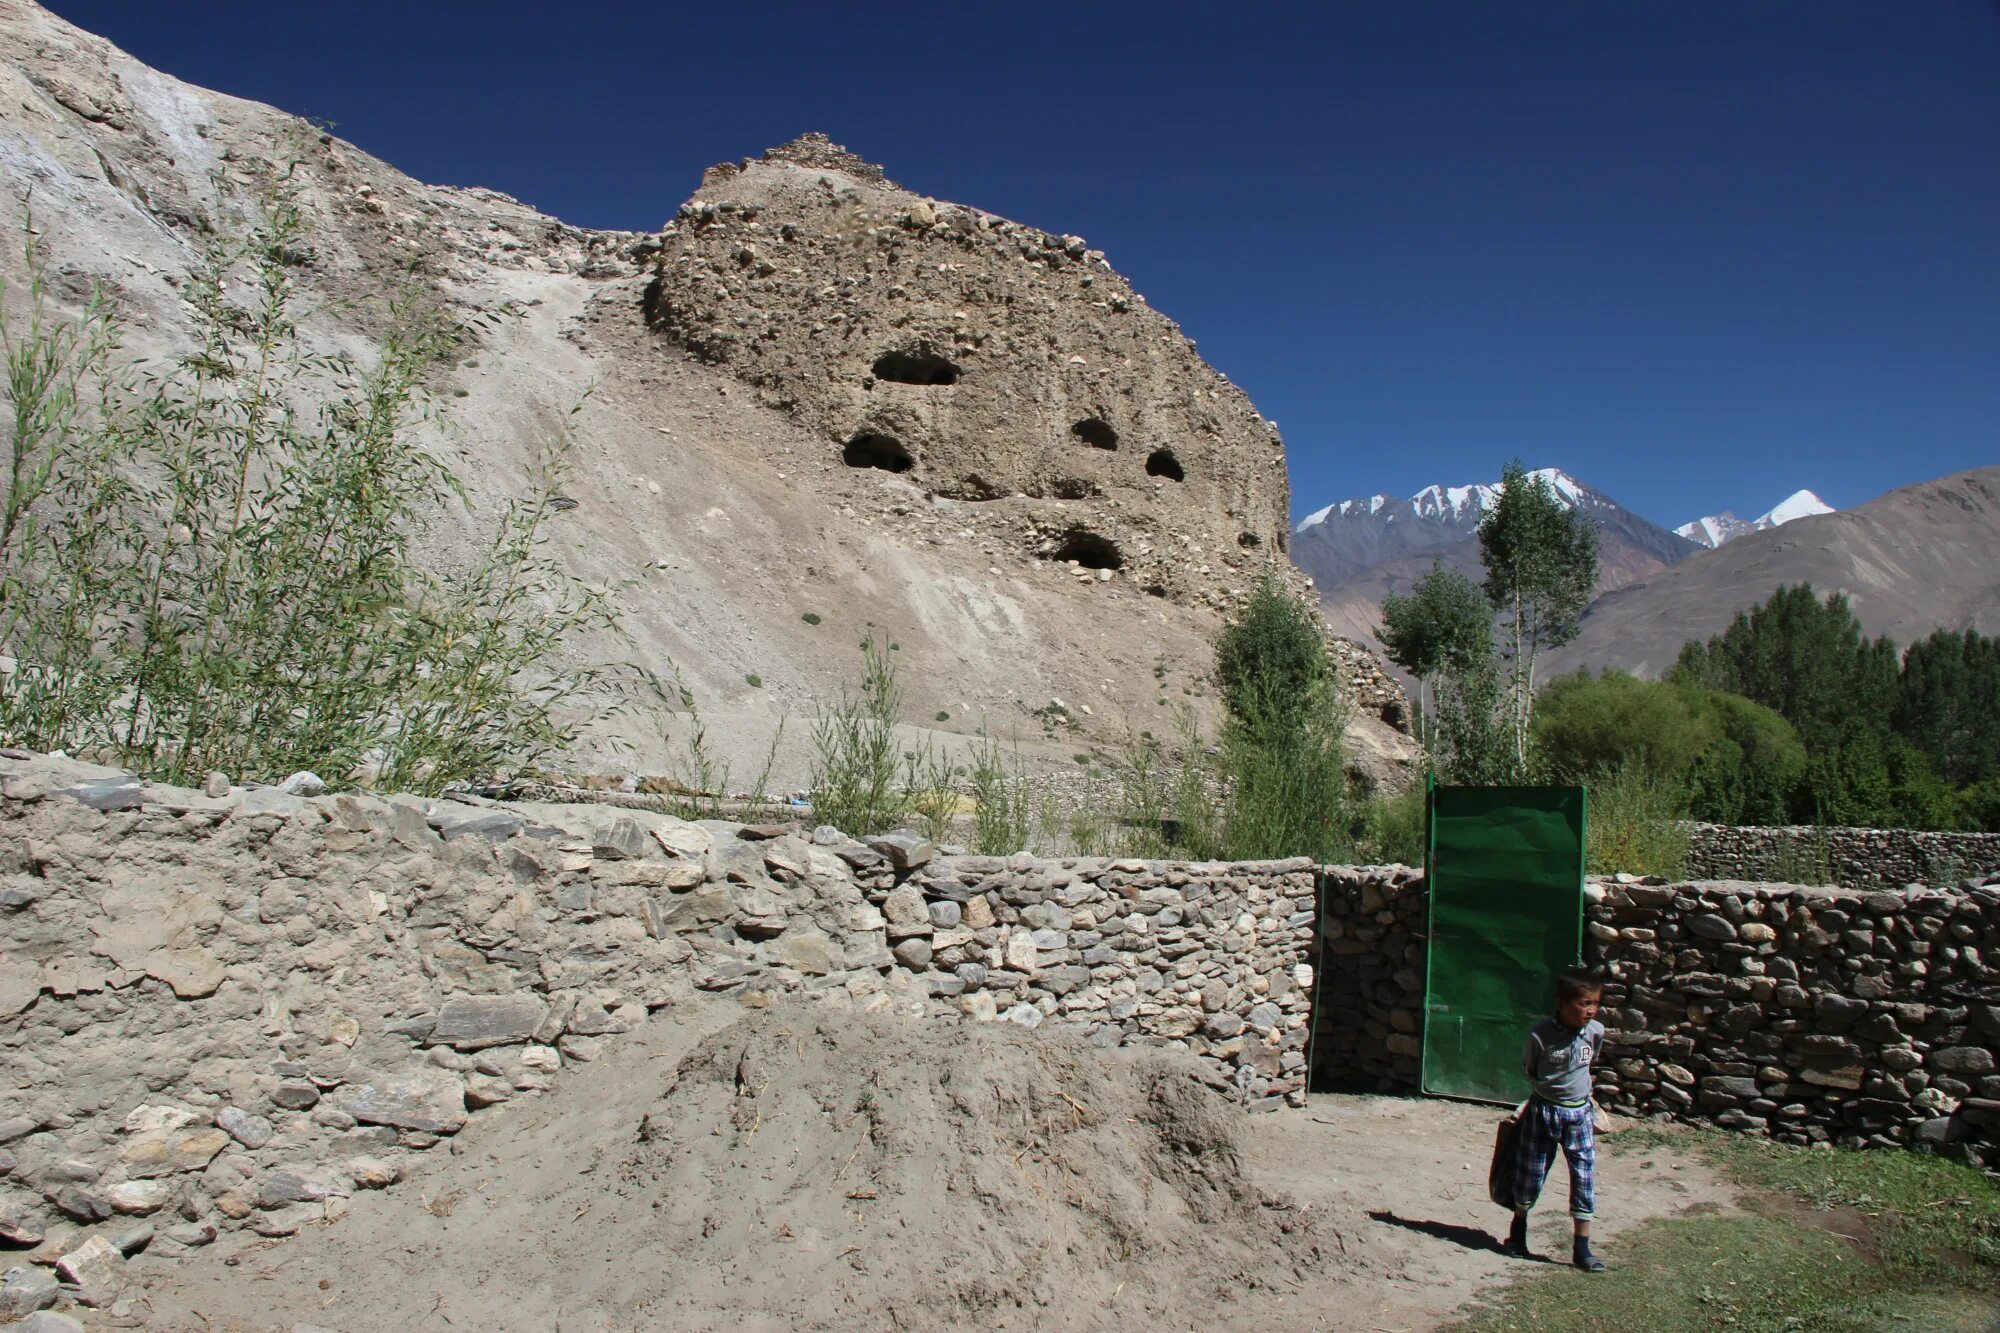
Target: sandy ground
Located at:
point(540, 1218)
point(1405, 1180)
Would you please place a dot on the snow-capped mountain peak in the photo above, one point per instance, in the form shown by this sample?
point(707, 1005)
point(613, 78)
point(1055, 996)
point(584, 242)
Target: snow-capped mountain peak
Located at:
point(1452, 502)
point(1799, 504)
point(1716, 529)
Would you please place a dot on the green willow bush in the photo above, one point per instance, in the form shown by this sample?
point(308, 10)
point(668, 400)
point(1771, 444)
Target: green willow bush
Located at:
point(201, 570)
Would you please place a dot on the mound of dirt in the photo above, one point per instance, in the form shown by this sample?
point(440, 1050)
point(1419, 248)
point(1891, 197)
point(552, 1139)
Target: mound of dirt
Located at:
point(808, 1167)
point(821, 1167)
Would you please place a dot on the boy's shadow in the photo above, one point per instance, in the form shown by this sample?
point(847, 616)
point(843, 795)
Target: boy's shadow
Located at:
point(1471, 1238)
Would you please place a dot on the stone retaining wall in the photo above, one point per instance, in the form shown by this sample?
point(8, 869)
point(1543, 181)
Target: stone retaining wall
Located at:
point(1854, 858)
point(1812, 1015)
point(234, 1008)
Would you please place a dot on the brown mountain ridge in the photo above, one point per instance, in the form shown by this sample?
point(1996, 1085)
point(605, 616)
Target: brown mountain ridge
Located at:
point(1919, 558)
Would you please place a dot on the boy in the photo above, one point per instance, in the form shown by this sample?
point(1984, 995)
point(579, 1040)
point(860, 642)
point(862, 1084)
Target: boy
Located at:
point(1557, 1059)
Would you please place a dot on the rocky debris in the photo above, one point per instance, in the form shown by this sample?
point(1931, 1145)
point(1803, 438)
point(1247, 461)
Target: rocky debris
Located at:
point(252, 1131)
point(96, 1269)
point(25, 1290)
point(20, 1222)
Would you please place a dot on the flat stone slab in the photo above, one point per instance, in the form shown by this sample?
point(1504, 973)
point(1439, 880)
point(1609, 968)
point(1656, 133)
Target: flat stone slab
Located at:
point(474, 1022)
point(426, 1101)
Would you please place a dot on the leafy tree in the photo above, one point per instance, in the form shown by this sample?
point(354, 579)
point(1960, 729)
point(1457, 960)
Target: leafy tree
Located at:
point(1586, 726)
point(1541, 566)
point(1948, 704)
point(1805, 658)
point(1475, 744)
point(1440, 629)
point(1751, 770)
point(1281, 761)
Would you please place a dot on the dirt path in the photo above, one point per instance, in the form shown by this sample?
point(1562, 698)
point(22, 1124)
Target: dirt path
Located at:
point(1405, 1179)
point(527, 1221)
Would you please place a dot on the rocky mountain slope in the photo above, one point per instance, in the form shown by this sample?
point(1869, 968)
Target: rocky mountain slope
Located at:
point(1358, 551)
point(820, 407)
point(1716, 529)
point(1910, 561)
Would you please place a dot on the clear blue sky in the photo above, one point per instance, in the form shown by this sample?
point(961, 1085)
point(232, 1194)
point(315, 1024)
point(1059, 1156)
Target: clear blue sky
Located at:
point(1698, 254)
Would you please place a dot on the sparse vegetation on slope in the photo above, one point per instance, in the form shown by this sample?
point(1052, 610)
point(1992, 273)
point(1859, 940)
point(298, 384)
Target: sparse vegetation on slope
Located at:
point(199, 571)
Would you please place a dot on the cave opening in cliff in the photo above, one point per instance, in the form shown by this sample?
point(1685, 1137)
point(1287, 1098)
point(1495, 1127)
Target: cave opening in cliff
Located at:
point(1089, 550)
point(917, 365)
point(872, 449)
point(1162, 463)
point(1095, 432)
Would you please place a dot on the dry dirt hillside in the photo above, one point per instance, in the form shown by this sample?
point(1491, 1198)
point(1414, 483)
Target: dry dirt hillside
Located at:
point(1916, 559)
point(820, 406)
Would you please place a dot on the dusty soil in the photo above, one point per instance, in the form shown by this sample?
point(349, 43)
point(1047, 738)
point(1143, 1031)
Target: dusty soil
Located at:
point(799, 1168)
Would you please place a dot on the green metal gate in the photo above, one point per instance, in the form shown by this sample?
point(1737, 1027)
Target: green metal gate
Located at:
point(1505, 870)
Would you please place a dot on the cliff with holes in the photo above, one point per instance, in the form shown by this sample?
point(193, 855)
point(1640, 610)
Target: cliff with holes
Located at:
point(988, 362)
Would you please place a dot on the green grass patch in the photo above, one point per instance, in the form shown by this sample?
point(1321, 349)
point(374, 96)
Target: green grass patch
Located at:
point(1929, 1218)
point(1833, 1241)
point(1754, 1274)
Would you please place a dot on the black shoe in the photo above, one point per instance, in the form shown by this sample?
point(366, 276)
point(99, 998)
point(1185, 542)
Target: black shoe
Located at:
point(1587, 1261)
point(1516, 1243)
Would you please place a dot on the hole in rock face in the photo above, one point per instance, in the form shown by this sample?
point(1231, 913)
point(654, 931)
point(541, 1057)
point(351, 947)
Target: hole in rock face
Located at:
point(1162, 463)
point(1156, 590)
point(1089, 550)
point(918, 365)
point(1095, 432)
point(1249, 541)
point(870, 449)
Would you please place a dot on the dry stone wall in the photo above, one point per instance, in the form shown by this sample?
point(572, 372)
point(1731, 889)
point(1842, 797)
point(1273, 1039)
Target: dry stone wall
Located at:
point(1809, 1014)
point(1855, 858)
point(235, 1008)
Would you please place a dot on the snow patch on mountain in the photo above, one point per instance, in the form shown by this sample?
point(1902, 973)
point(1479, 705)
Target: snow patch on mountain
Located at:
point(1716, 529)
point(1453, 502)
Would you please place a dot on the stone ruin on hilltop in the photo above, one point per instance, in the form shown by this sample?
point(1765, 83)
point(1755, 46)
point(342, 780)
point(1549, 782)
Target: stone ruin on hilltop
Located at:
point(986, 362)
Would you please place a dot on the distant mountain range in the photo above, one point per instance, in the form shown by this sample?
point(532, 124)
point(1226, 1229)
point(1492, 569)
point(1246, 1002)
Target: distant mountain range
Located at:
point(1910, 561)
point(1357, 551)
point(1716, 529)
point(1917, 559)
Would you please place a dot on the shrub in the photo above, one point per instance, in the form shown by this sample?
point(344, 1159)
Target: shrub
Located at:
point(1636, 824)
point(198, 572)
point(855, 760)
point(810, 617)
point(1282, 776)
point(1003, 806)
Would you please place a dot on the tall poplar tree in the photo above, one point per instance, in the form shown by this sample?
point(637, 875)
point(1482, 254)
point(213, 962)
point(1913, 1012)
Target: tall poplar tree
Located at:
point(1541, 567)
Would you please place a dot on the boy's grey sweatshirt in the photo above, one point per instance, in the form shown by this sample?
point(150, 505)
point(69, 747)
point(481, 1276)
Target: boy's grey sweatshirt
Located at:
point(1557, 1060)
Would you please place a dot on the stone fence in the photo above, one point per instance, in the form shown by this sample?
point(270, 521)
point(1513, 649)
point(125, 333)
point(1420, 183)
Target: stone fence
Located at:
point(1809, 1014)
point(1854, 858)
point(234, 1008)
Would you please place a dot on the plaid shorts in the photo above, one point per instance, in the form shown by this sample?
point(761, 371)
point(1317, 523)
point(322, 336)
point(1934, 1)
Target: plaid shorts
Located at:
point(1545, 1129)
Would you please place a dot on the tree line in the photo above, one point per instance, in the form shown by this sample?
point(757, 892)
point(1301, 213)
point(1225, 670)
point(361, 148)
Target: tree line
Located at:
point(1791, 715)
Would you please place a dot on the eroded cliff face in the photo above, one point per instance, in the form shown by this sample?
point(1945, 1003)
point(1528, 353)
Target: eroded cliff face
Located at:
point(988, 362)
